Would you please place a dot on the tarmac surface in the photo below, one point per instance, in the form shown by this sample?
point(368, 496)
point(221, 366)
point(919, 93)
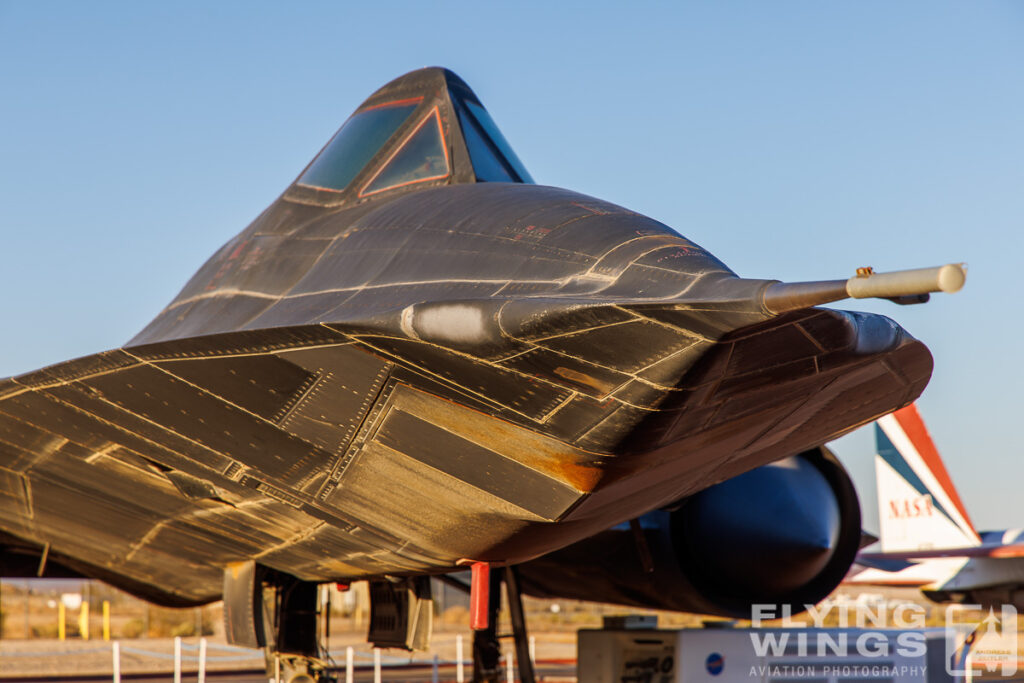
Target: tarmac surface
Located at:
point(415, 673)
point(152, 660)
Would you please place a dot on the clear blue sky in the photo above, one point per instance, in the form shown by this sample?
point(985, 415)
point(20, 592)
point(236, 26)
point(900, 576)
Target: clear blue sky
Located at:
point(795, 140)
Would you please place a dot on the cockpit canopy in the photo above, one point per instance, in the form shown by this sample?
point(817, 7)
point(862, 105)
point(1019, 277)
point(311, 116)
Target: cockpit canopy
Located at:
point(492, 156)
point(423, 129)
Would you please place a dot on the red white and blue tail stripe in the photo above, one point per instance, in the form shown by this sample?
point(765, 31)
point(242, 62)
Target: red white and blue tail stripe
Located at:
point(918, 506)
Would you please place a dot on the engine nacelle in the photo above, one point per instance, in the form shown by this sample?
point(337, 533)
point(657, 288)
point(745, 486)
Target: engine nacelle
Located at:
point(782, 534)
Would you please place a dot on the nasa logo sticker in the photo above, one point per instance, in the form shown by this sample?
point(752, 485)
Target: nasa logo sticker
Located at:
point(714, 663)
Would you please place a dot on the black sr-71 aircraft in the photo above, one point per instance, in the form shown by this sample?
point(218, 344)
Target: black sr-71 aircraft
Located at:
point(417, 361)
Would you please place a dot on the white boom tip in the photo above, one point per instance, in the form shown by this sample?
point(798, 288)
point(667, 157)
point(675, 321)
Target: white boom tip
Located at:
point(947, 278)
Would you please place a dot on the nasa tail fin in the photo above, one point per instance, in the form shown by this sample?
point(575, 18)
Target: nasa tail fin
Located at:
point(918, 506)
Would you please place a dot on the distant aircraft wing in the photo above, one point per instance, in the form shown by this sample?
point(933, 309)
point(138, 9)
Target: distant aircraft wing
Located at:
point(989, 550)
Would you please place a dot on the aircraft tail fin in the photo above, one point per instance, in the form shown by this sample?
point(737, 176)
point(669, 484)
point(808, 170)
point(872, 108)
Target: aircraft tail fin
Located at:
point(918, 506)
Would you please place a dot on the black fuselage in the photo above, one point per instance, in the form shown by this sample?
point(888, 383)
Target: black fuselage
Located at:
point(364, 383)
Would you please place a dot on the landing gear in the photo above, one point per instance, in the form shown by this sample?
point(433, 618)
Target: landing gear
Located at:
point(519, 634)
point(278, 613)
point(267, 609)
point(486, 646)
point(295, 650)
point(285, 668)
point(401, 613)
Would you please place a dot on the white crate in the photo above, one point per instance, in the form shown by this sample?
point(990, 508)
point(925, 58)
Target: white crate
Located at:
point(793, 655)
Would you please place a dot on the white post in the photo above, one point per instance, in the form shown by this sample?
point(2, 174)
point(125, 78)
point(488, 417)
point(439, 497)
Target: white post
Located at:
point(116, 651)
point(350, 667)
point(202, 660)
point(460, 669)
point(509, 674)
point(435, 674)
point(376, 665)
point(533, 649)
point(177, 659)
point(277, 668)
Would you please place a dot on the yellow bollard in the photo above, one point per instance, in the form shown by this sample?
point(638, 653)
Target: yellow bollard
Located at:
point(106, 620)
point(61, 629)
point(83, 620)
